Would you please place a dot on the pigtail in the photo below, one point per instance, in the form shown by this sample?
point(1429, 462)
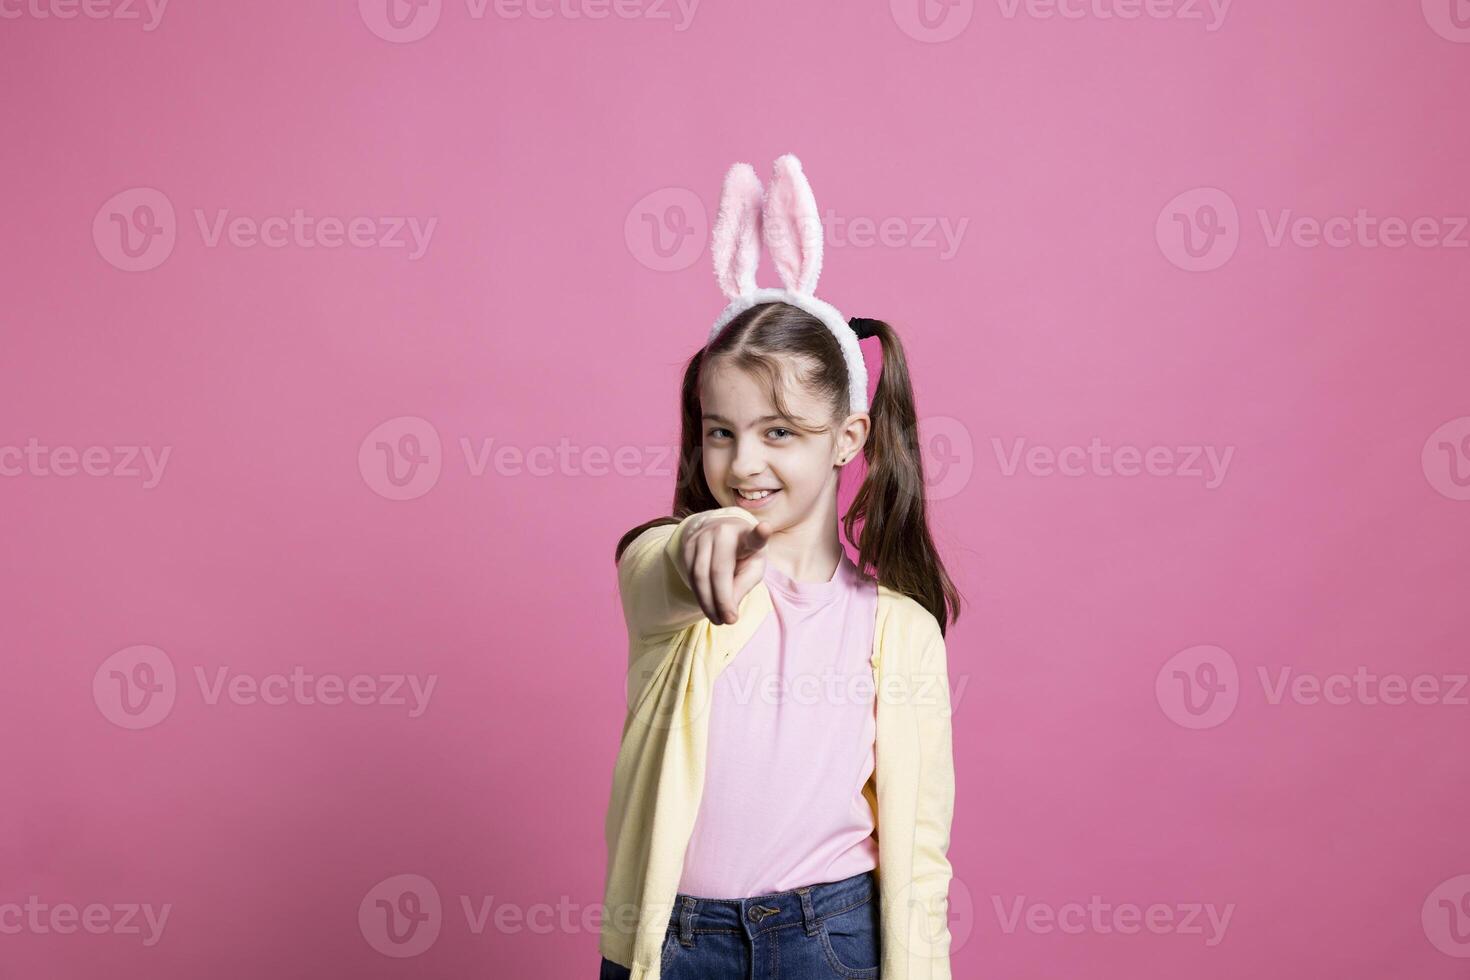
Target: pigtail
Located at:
point(891, 504)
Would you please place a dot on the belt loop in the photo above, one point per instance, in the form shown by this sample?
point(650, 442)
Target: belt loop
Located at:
point(686, 922)
point(808, 914)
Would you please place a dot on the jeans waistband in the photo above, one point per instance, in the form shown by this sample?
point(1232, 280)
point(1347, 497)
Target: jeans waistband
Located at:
point(806, 906)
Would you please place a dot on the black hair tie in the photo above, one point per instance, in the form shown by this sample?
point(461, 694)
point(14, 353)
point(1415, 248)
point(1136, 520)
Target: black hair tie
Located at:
point(863, 327)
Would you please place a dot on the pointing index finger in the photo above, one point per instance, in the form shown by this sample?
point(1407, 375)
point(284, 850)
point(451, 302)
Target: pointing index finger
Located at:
point(754, 539)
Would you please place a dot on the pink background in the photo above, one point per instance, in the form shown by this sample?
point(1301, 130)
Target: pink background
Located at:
point(544, 312)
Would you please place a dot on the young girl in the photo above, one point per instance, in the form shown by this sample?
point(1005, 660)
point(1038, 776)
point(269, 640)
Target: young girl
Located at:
point(784, 790)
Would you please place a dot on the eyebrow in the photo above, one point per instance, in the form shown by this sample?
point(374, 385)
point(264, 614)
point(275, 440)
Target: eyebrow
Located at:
point(712, 417)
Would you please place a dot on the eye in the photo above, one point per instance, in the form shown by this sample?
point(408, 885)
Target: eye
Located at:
point(715, 433)
point(779, 429)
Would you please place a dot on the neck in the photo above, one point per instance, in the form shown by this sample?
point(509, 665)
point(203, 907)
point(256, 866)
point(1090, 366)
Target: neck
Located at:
point(810, 550)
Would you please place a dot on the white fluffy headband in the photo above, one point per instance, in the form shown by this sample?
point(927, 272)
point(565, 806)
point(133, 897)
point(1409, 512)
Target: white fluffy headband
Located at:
point(785, 217)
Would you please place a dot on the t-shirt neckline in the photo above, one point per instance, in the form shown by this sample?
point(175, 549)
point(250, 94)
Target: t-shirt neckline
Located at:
point(841, 577)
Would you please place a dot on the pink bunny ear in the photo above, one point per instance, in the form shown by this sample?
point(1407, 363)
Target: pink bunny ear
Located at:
point(735, 241)
point(792, 227)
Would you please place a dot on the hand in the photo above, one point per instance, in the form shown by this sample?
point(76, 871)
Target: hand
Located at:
point(723, 558)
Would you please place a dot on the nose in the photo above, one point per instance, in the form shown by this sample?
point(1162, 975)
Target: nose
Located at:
point(749, 458)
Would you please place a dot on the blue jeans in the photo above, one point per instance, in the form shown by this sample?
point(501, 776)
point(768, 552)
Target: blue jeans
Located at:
point(812, 933)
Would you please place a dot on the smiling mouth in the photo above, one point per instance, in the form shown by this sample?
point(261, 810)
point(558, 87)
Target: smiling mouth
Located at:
point(754, 495)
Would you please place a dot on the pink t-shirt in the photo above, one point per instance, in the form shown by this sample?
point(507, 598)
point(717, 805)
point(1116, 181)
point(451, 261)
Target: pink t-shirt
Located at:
point(791, 746)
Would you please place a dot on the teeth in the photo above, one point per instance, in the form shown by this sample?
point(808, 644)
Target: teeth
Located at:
point(755, 496)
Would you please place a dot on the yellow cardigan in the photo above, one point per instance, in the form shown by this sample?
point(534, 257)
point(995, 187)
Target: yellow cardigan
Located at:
point(674, 655)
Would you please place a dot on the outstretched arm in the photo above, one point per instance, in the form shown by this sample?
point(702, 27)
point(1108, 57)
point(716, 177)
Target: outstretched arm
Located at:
point(674, 575)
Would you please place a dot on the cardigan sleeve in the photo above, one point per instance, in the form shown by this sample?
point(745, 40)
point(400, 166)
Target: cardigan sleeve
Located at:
point(655, 598)
point(934, 814)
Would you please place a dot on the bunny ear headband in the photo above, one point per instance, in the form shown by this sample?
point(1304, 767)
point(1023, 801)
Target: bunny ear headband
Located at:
point(785, 217)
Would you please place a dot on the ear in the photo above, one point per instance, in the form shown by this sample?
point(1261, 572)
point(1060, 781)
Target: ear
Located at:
point(792, 227)
point(735, 241)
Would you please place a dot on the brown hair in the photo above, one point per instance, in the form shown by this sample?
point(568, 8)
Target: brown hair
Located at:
point(895, 541)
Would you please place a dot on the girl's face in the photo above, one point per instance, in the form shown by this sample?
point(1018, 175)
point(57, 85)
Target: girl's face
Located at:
point(747, 446)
